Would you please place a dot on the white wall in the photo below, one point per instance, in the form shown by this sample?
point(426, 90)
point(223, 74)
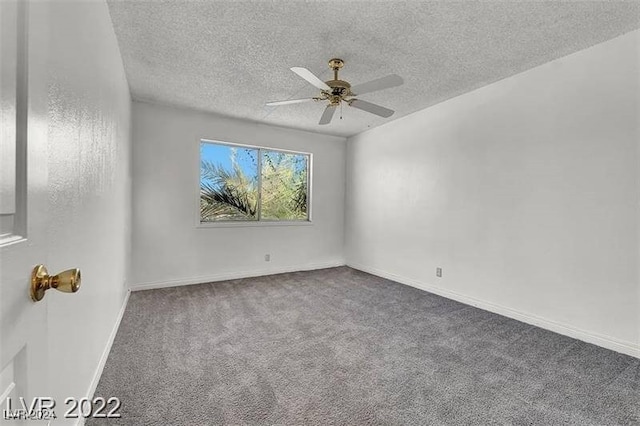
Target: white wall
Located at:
point(89, 215)
point(168, 248)
point(525, 192)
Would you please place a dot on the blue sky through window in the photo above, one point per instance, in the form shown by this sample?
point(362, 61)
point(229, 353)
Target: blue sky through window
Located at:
point(222, 155)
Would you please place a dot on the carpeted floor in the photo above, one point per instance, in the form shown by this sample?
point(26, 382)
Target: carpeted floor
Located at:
point(338, 346)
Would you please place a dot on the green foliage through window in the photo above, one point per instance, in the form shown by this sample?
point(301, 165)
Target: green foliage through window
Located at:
point(239, 183)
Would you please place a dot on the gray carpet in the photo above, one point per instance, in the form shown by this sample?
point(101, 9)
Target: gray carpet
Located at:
point(338, 346)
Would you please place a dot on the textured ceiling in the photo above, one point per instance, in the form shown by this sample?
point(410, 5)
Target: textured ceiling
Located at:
point(230, 57)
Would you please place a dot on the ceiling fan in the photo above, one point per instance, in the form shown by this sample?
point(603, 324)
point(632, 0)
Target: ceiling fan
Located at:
point(337, 91)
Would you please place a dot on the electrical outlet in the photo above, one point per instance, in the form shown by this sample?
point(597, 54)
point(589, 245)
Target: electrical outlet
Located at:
point(267, 258)
point(439, 272)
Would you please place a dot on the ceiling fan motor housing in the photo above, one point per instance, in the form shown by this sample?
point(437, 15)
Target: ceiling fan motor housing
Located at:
point(339, 88)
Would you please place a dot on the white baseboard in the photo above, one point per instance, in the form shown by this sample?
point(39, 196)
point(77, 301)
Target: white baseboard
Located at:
point(628, 348)
point(234, 275)
point(105, 353)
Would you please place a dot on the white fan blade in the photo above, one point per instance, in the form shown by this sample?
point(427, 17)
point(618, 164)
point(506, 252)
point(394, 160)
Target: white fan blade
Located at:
point(327, 115)
point(289, 102)
point(372, 108)
point(311, 78)
point(392, 80)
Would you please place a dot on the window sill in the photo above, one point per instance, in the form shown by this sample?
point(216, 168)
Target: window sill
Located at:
point(248, 224)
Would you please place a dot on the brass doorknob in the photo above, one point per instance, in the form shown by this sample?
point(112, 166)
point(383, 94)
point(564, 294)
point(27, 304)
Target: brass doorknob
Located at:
point(67, 281)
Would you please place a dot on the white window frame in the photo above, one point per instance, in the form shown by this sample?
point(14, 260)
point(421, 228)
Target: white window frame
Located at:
point(260, 222)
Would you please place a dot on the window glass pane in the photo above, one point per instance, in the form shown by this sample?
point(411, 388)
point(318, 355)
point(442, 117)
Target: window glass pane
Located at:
point(284, 186)
point(228, 183)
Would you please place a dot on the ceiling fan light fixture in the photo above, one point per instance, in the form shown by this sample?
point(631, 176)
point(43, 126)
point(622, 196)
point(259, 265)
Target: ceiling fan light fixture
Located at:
point(337, 91)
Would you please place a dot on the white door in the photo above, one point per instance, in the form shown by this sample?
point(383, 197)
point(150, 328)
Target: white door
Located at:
point(23, 202)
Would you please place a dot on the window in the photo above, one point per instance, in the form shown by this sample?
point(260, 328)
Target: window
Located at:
point(241, 183)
